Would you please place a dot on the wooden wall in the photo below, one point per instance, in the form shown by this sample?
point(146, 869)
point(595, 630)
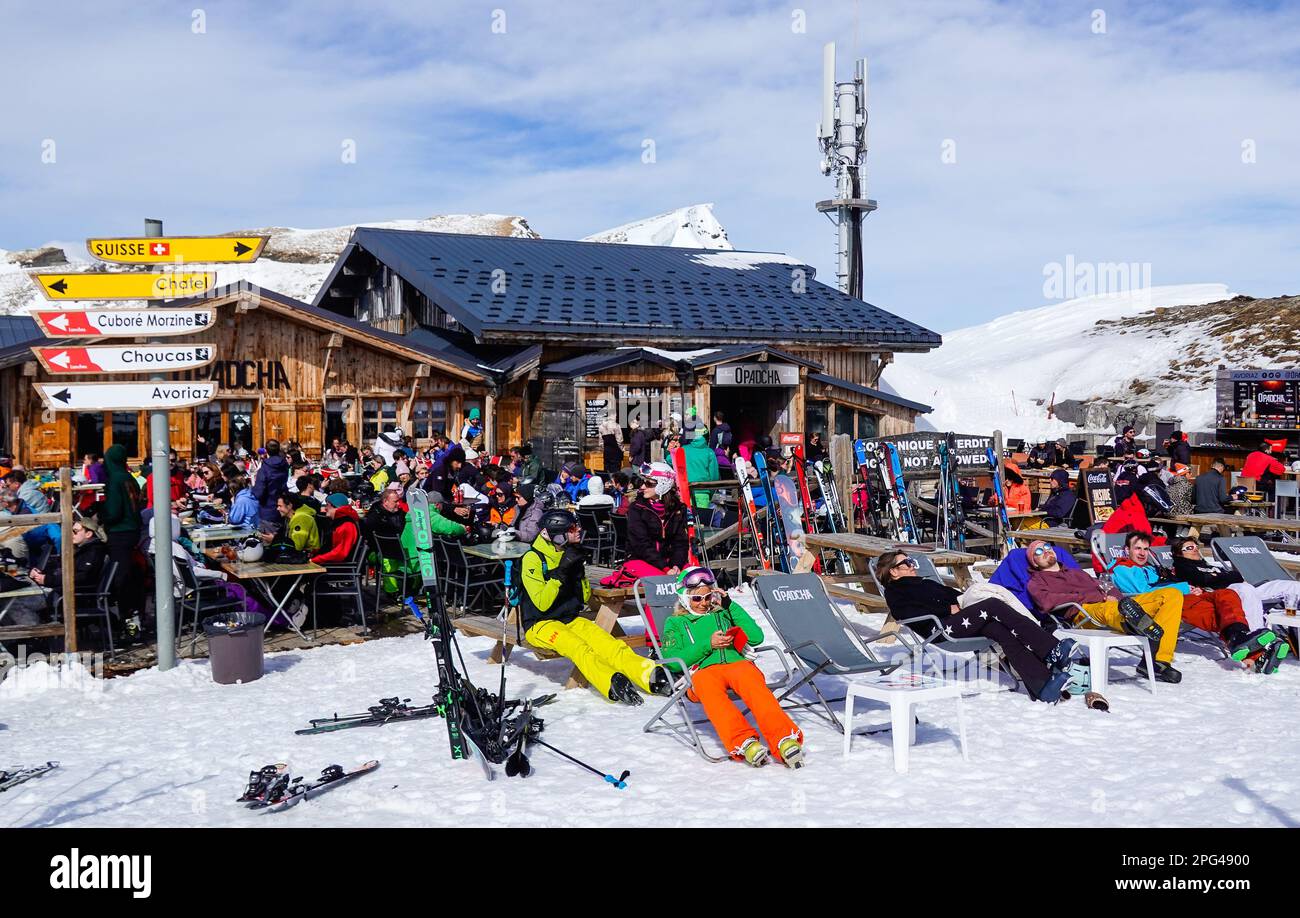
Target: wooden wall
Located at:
point(277, 362)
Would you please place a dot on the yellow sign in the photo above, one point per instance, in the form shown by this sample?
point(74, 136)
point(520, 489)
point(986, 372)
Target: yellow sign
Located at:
point(146, 250)
point(169, 285)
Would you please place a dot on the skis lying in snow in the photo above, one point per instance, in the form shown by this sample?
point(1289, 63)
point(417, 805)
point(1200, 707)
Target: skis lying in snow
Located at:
point(14, 776)
point(272, 790)
point(387, 711)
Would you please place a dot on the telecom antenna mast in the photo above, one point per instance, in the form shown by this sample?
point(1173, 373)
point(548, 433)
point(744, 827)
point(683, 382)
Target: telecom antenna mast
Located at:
point(842, 136)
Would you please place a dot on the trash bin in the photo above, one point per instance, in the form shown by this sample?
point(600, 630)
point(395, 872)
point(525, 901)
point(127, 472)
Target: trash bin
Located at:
point(235, 646)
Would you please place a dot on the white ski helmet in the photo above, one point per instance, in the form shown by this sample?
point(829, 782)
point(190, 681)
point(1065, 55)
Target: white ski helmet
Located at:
point(251, 550)
point(663, 477)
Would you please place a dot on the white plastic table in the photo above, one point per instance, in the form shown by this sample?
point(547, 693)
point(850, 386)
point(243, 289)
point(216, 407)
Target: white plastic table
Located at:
point(1283, 621)
point(903, 692)
point(1100, 643)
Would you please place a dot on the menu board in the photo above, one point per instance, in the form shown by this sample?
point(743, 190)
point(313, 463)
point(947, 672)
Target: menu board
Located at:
point(1258, 399)
point(596, 411)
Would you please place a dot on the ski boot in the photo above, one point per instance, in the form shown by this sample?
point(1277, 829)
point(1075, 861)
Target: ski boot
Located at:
point(1052, 689)
point(1137, 621)
point(1059, 659)
point(622, 689)
point(661, 683)
point(753, 752)
point(1267, 661)
point(1165, 672)
point(791, 752)
point(1243, 645)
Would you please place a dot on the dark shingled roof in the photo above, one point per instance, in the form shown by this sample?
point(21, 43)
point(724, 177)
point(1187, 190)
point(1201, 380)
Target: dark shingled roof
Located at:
point(867, 390)
point(605, 290)
point(17, 333)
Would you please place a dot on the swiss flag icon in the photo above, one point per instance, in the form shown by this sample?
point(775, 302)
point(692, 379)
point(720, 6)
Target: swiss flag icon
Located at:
point(160, 248)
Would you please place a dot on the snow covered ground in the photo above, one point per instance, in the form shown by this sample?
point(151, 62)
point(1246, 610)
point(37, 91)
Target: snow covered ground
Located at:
point(174, 749)
point(988, 376)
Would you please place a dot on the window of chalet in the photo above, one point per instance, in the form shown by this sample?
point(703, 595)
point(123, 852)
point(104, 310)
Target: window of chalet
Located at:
point(376, 415)
point(428, 416)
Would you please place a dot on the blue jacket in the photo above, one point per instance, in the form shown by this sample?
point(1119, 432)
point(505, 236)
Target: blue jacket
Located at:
point(576, 487)
point(244, 510)
point(272, 481)
point(1013, 573)
point(1130, 578)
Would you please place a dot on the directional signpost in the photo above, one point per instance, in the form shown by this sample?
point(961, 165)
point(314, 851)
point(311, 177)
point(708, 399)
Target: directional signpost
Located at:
point(125, 286)
point(159, 395)
point(126, 396)
point(133, 359)
point(122, 323)
point(156, 250)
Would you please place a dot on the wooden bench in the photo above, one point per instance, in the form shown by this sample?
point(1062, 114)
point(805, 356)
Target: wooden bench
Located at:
point(21, 632)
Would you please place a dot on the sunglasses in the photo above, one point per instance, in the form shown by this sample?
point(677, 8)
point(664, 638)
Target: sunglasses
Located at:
point(906, 562)
point(1041, 550)
point(697, 598)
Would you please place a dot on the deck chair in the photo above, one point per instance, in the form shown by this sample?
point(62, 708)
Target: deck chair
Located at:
point(816, 637)
point(1250, 557)
point(920, 647)
point(655, 599)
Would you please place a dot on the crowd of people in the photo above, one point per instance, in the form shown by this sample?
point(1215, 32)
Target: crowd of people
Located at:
point(322, 509)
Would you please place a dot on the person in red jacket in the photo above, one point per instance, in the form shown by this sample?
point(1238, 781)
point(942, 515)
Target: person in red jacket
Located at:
point(1263, 467)
point(346, 532)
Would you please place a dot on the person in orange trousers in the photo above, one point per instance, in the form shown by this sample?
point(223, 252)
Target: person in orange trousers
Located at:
point(711, 634)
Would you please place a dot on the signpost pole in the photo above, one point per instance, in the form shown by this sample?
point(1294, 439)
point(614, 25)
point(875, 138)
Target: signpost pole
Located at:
point(160, 439)
point(67, 562)
point(1002, 476)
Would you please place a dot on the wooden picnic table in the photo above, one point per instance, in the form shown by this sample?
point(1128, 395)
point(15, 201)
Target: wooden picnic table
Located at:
point(1237, 523)
point(608, 605)
point(865, 546)
point(1056, 535)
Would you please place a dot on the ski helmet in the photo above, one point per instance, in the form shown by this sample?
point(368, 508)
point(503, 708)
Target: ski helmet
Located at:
point(556, 523)
point(252, 550)
point(662, 476)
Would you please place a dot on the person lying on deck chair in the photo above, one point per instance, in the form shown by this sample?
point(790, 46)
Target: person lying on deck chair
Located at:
point(1193, 568)
point(1153, 614)
point(1042, 661)
point(555, 593)
point(711, 634)
point(1216, 611)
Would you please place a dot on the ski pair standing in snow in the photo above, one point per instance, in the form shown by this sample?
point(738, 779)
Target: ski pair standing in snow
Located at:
point(713, 635)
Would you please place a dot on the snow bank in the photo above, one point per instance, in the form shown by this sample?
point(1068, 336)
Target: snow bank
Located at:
point(987, 377)
point(175, 749)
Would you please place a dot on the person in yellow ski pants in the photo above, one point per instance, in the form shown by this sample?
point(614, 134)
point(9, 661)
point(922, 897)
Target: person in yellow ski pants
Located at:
point(554, 594)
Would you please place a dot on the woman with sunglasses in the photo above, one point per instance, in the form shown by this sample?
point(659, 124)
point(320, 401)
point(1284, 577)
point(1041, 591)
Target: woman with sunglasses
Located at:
point(656, 522)
point(1041, 661)
point(711, 635)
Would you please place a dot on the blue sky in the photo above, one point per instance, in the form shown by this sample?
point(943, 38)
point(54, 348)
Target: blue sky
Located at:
point(1119, 146)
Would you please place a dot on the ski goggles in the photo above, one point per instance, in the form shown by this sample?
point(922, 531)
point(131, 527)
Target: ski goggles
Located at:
point(698, 577)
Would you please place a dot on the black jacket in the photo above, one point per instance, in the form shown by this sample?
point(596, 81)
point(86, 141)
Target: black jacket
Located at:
point(441, 478)
point(87, 566)
point(912, 597)
point(661, 543)
point(1211, 492)
point(1059, 507)
point(720, 436)
point(1203, 574)
point(1181, 451)
point(382, 522)
point(638, 447)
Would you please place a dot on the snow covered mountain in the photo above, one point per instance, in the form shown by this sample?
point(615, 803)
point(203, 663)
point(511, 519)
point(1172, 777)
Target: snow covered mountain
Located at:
point(1146, 353)
point(296, 261)
point(693, 227)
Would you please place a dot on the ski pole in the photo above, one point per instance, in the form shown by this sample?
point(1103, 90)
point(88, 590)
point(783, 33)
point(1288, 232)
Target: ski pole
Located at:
point(620, 782)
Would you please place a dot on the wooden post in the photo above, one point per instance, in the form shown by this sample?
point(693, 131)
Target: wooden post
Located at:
point(842, 463)
point(67, 562)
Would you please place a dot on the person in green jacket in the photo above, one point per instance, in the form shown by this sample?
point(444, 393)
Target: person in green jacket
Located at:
point(303, 531)
point(701, 465)
point(712, 635)
point(119, 514)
